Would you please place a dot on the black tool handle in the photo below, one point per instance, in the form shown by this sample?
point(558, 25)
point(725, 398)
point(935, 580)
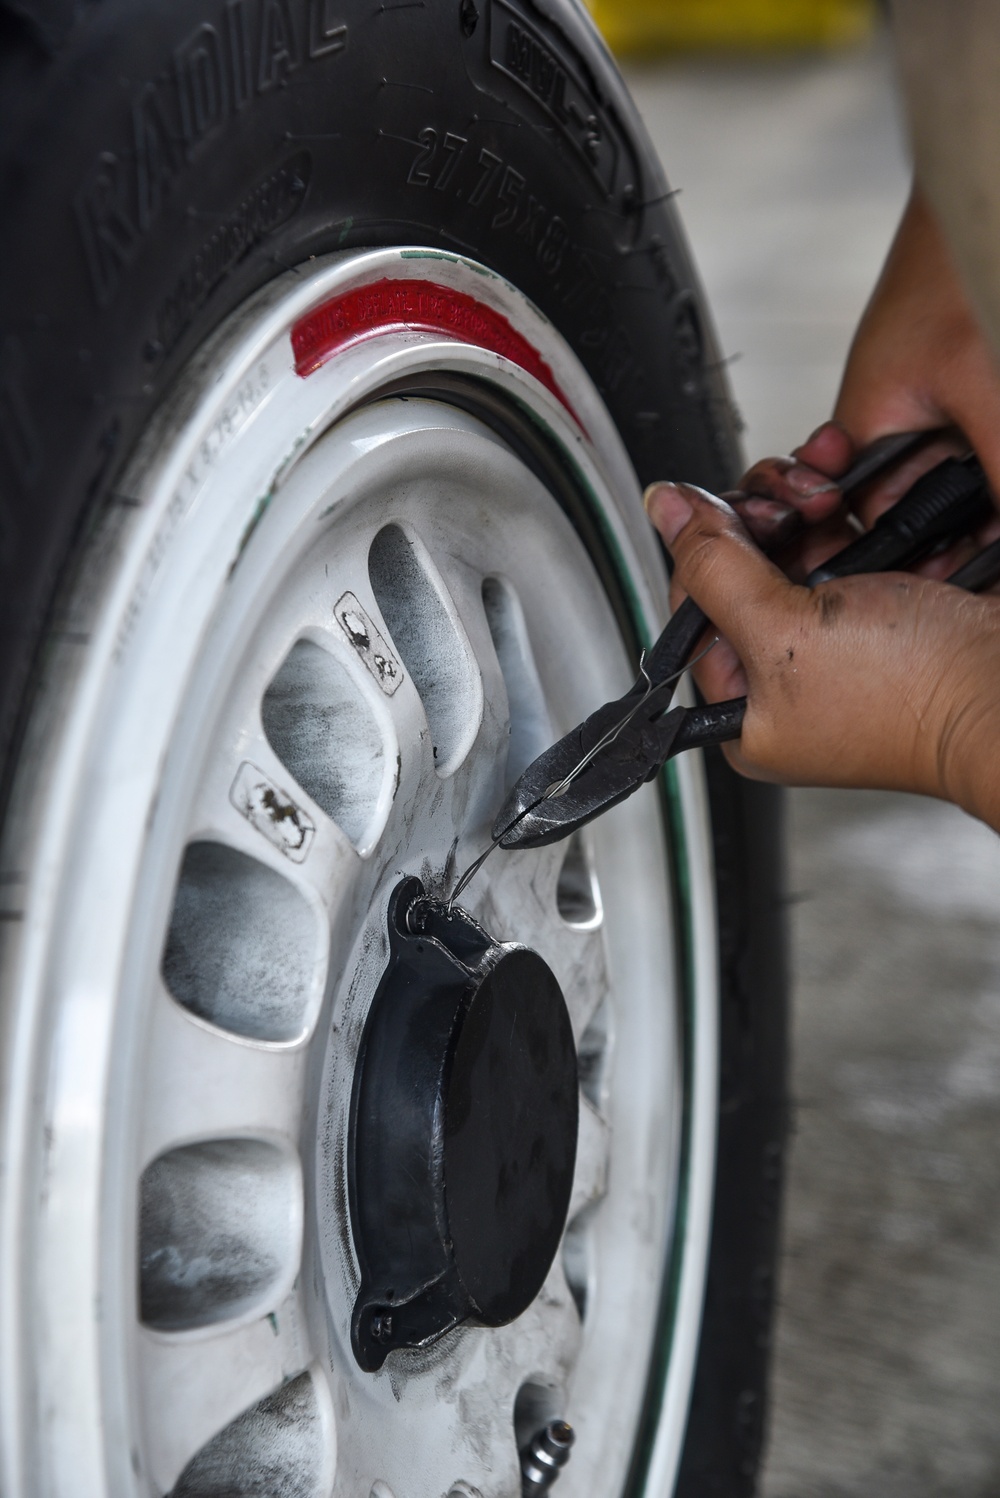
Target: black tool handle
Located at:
point(949, 500)
point(715, 723)
point(882, 454)
point(671, 651)
point(981, 573)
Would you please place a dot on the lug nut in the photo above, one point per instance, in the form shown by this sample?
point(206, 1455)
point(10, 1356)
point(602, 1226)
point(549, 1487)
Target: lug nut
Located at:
point(545, 1455)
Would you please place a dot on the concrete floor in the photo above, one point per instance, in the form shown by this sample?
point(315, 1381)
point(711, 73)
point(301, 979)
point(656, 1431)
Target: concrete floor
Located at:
point(887, 1369)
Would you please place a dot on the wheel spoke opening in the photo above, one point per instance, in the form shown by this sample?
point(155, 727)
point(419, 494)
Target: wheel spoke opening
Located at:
point(425, 632)
point(530, 724)
point(243, 946)
point(276, 1449)
point(220, 1226)
point(578, 895)
point(577, 1257)
point(592, 1056)
point(319, 724)
point(590, 1186)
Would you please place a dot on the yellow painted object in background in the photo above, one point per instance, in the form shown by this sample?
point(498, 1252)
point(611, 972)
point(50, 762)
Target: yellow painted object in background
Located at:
point(631, 26)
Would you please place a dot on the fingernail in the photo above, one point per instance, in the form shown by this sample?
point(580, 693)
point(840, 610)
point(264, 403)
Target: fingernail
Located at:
point(667, 509)
point(769, 521)
point(807, 482)
point(769, 511)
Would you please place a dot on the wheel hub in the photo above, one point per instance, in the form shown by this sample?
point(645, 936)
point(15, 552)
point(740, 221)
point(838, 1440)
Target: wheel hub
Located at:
point(463, 1130)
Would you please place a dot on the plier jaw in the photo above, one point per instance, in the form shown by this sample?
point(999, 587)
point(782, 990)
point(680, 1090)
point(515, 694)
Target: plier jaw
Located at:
point(555, 795)
point(640, 734)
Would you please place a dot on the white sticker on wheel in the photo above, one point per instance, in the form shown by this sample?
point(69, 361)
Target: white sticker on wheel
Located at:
point(369, 642)
point(272, 811)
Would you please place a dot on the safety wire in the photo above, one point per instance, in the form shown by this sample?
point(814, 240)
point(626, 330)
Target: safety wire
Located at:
point(560, 787)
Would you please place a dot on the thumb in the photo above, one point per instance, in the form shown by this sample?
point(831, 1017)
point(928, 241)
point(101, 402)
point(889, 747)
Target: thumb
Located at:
point(715, 560)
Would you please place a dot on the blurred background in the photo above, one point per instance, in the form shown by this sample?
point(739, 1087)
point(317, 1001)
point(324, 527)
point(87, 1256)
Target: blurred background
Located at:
point(779, 123)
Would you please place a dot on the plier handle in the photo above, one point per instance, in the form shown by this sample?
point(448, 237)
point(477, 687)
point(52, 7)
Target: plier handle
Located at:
point(626, 742)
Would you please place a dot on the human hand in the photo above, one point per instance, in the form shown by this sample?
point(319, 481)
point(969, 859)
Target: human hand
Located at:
point(885, 680)
point(918, 362)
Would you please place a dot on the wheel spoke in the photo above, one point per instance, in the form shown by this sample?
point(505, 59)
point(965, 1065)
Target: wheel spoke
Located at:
point(423, 625)
point(545, 1341)
point(454, 674)
point(249, 800)
point(206, 1084)
point(516, 725)
point(457, 1436)
point(486, 763)
point(593, 1151)
point(195, 1386)
point(579, 962)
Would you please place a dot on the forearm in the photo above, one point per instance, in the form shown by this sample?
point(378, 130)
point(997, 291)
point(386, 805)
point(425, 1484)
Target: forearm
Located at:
point(919, 358)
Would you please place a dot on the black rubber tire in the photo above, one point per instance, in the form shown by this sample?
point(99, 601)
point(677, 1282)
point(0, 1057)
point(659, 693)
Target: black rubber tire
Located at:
point(728, 1419)
point(160, 159)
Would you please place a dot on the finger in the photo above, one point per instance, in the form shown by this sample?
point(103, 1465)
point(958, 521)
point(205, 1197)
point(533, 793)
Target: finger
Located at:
point(813, 494)
point(720, 674)
point(719, 671)
point(770, 523)
point(988, 532)
point(830, 450)
point(942, 564)
point(979, 422)
point(715, 560)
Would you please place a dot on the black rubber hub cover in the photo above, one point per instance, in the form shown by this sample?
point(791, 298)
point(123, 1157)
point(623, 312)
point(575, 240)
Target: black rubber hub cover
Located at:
point(463, 1131)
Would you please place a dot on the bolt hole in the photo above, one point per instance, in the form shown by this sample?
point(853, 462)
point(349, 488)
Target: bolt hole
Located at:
point(577, 1258)
point(321, 727)
point(578, 896)
point(535, 1406)
point(242, 946)
point(423, 626)
point(219, 1232)
point(276, 1447)
point(592, 1056)
point(530, 725)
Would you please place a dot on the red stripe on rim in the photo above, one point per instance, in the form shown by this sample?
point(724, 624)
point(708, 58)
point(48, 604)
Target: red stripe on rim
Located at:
point(389, 306)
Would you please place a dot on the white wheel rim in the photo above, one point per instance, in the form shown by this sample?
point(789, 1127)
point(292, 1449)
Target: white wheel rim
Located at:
point(255, 502)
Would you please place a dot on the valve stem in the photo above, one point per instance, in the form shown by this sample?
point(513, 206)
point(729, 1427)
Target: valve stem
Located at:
point(545, 1455)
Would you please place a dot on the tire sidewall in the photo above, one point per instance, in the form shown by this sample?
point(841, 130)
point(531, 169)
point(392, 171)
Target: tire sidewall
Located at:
point(174, 155)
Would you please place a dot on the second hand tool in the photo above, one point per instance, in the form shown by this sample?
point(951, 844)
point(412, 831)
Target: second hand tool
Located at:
point(626, 742)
